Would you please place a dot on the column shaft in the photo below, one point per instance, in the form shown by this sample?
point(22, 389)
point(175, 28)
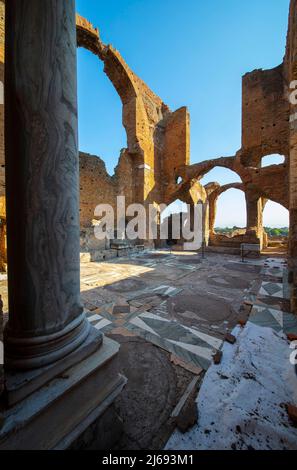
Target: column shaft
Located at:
point(42, 183)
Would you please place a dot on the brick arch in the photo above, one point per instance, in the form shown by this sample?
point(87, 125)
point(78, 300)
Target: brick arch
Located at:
point(123, 79)
point(153, 132)
point(264, 182)
point(213, 198)
point(199, 170)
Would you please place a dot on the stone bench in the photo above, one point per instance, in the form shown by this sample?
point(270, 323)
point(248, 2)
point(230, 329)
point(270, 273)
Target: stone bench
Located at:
point(246, 248)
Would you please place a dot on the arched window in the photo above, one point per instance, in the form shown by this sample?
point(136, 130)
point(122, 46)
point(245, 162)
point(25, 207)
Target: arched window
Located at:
point(231, 211)
point(274, 159)
point(275, 219)
point(101, 131)
point(220, 175)
point(175, 207)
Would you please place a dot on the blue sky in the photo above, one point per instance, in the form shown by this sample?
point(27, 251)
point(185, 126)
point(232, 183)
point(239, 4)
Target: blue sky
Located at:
point(190, 53)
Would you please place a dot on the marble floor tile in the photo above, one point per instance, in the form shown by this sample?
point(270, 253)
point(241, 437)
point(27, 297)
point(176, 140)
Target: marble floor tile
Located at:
point(278, 320)
point(271, 289)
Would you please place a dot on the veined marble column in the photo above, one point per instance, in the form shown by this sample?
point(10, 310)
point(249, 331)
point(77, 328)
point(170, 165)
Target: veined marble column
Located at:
point(46, 320)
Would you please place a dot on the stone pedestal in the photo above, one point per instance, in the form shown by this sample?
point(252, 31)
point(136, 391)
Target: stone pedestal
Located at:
point(57, 414)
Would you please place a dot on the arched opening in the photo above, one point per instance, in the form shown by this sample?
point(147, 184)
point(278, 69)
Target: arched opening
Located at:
point(276, 226)
point(274, 159)
point(275, 219)
point(176, 207)
point(231, 213)
point(171, 222)
point(220, 175)
point(101, 131)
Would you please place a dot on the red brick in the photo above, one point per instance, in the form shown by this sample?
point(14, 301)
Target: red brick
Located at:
point(292, 413)
point(230, 338)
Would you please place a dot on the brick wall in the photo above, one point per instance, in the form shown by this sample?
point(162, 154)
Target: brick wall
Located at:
point(2, 177)
point(265, 115)
point(2, 35)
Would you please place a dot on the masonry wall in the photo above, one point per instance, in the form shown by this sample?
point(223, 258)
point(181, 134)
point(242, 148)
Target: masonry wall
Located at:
point(157, 138)
point(265, 115)
point(2, 36)
point(291, 74)
point(98, 187)
point(176, 149)
point(2, 175)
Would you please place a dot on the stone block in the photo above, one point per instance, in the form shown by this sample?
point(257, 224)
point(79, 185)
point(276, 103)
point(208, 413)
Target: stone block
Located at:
point(217, 357)
point(55, 416)
point(230, 338)
point(185, 414)
point(121, 309)
point(292, 337)
point(188, 417)
point(292, 413)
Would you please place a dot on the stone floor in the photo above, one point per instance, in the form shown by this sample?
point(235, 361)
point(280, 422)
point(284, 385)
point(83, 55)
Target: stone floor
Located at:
point(241, 404)
point(271, 305)
point(171, 312)
point(179, 302)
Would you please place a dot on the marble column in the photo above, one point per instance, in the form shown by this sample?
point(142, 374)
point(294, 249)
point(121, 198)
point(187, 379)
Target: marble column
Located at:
point(46, 320)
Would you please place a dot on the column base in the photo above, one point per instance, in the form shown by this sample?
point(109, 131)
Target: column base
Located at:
point(54, 416)
point(34, 352)
point(20, 384)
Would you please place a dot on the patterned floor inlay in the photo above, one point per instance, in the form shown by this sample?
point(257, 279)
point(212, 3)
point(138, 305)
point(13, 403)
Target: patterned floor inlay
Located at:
point(272, 289)
point(275, 262)
point(99, 322)
point(163, 292)
point(276, 271)
point(272, 302)
point(276, 319)
point(191, 346)
point(179, 301)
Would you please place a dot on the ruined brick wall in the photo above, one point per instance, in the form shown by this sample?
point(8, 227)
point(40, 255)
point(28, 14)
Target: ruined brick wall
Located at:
point(2, 38)
point(291, 74)
point(98, 187)
point(157, 139)
point(265, 131)
point(2, 156)
point(265, 115)
point(176, 150)
point(2, 179)
point(95, 186)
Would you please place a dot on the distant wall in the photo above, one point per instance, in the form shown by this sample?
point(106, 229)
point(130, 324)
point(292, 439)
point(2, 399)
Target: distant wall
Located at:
point(98, 187)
